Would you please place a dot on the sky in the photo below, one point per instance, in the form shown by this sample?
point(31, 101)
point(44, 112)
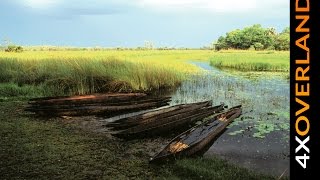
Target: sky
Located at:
point(130, 23)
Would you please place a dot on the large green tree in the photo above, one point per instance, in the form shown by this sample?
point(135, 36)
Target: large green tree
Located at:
point(254, 36)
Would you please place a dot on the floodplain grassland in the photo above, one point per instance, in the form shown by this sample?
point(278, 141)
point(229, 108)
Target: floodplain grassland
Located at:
point(49, 73)
point(45, 148)
point(252, 60)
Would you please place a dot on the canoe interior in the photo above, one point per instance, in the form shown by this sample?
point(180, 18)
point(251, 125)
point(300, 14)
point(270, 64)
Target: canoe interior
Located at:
point(196, 140)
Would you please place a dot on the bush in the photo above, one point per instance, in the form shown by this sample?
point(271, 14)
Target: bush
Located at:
point(252, 48)
point(271, 48)
point(258, 46)
point(13, 48)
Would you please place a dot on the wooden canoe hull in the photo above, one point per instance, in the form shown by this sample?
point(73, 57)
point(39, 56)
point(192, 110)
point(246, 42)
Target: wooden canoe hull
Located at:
point(157, 115)
point(105, 104)
point(87, 99)
point(177, 123)
point(201, 145)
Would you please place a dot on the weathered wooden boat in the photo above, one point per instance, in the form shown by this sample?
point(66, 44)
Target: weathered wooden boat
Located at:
point(156, 115)
point(99, 104)
point(198, 139)
point(175, 122)
point(88, 99)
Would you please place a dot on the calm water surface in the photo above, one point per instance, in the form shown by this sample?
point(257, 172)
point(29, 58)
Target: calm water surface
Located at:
point(259, 139)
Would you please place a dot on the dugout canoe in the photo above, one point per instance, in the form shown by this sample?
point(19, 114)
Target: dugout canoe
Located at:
point(175, 122)
point(198, 139)
point(157, 115)
point(103, 104)
point(88, 99)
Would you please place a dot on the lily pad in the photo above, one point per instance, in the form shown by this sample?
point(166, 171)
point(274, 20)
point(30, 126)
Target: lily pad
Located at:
point(235, 132)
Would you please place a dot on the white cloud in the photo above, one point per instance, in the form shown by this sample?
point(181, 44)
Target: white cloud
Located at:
point(207, 5)
point(41, 4)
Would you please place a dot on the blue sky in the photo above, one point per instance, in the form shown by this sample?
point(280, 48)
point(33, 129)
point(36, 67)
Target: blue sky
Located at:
point(119, 23)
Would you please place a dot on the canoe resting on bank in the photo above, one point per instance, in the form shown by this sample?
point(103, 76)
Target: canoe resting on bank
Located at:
point(161, 125)
point(196, 140)
point(156, 115)
point(98, 104)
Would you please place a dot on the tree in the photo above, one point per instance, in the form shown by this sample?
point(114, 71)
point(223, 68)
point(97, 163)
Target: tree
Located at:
point(282, 41)
point(233, 39)
point(221, 43)
point(255, 36)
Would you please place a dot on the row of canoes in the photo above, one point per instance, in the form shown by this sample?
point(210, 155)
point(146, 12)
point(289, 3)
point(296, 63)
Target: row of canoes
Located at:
point(195, 140)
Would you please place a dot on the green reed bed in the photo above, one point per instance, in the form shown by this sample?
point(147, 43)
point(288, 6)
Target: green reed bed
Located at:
point(70, 76)
point(252, 61)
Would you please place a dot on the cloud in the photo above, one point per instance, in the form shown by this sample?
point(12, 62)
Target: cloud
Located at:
point(213, 6)
point(70, 9)
point(41, 4)
point(207, 5)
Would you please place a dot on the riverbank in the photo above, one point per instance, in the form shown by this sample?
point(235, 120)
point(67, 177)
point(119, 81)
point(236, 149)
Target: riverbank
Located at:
point(76, 149)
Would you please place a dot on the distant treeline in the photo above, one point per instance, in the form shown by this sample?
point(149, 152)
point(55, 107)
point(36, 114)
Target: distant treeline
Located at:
point(62, 48)
point(255, 37)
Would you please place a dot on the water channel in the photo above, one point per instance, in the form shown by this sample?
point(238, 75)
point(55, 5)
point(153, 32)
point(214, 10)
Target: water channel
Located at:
point(259, 138)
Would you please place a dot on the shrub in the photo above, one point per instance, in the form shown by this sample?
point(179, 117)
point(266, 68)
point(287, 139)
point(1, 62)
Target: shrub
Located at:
point(258, 46)
point(13, 48)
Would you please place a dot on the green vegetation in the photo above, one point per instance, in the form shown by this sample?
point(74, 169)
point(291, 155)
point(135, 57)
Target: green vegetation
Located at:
point(68, 75)
point(252, 60)
point(214, 168)
point(13, 48)
point(46, 148)
point(34, 148)
point(42, 148)
point(83, 76)
point(47, 73)
point(255, 37)
point(14, 90)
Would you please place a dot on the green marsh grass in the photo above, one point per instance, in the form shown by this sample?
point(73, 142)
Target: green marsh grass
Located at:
point(68, 76)
point(252, 60)
point(84, 72)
